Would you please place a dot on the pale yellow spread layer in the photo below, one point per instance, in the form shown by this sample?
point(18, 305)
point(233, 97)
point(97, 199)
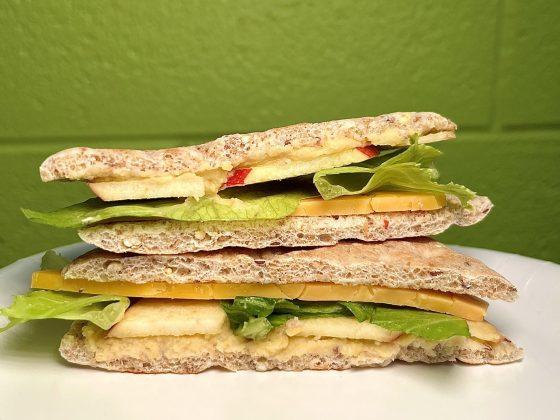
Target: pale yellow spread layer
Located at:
point(304, 161)
point(190, 335)
point(464, 306)
point(276, 345)
point(333, 153)
point(149, 317)
point(343, 327)
point(184, 185)
point(297, 162)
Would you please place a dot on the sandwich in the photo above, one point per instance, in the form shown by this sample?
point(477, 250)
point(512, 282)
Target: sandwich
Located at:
point(370, 179)
point(354, 304)
point(302, 247)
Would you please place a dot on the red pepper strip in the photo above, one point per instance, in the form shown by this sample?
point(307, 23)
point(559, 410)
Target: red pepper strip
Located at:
point(369, 151)
point(237, 177)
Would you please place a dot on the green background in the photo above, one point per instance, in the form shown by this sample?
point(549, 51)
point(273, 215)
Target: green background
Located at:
point(153, 74)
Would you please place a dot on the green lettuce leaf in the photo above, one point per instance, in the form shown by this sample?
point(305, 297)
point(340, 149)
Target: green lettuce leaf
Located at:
point(255, 328)
point(248, 204)
point(254, 317)
point(309, 309)
point(425, 324)
point(361, 311)
point(248, 316)
point(102, 310)
point(409, 170)
point(244, 309)
point(53, 261)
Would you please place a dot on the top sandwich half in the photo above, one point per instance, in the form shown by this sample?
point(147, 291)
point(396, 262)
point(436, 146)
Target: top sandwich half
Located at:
point(309, 184)
point(241, 159)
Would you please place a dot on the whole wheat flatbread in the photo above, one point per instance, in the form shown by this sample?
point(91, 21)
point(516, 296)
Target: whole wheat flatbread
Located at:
point(174, 237)
point(74, 349)
point(419, 263)
point(234, 150)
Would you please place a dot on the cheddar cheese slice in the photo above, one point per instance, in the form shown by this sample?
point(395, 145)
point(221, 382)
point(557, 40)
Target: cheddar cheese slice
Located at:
point(463, 306)
point(379, 202)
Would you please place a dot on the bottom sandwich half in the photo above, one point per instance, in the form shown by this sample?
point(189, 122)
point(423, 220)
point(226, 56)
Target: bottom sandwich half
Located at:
point(285, 348)
point(350, 305)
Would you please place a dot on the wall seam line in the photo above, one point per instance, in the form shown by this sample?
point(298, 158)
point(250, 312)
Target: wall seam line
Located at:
point(495, 125)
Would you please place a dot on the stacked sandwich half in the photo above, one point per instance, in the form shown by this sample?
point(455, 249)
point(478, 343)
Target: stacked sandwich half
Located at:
point(303, 247)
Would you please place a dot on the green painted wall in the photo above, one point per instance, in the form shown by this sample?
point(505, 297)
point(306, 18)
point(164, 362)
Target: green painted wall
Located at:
point(148, 74)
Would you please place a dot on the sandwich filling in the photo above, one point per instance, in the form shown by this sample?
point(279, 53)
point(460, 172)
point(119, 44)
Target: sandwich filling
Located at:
point(385, 180)
point(464, 306)
point(250, 317)
point(253, 310)
point(152, 330)
point(160, 317)
point(266, 329)
point(303, 161)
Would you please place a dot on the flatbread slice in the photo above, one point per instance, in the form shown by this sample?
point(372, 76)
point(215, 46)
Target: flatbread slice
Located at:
point(193, 354)
point(240, 150)
point(420, 263)
point(175, 237)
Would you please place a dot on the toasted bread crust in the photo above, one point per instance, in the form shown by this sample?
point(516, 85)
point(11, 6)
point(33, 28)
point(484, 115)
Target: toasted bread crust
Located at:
point(174, 237)
point(419, 263)
point(230, 151)
point(74, 349)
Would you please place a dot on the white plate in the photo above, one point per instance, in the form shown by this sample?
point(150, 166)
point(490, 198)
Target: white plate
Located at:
point(36, 384)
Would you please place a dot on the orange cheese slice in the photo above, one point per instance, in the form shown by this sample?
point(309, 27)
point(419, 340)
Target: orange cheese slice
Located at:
point(380, 202)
